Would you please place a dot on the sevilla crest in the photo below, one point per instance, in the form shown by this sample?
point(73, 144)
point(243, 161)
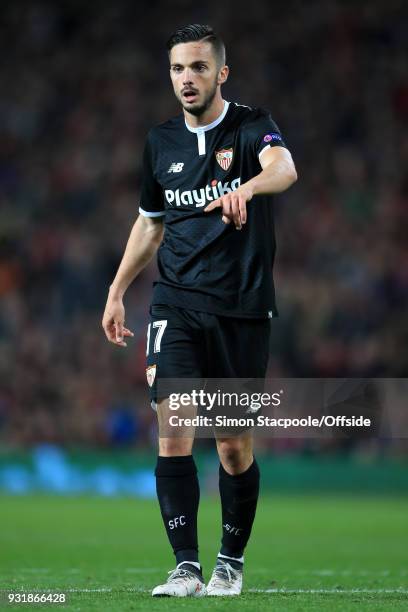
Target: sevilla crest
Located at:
point(150, 375)
point(224, 158)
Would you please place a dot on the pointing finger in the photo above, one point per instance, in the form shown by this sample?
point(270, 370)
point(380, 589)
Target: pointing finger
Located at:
point(213, 205)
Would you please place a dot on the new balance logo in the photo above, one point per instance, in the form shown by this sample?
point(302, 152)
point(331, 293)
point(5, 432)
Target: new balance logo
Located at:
point(176, 167)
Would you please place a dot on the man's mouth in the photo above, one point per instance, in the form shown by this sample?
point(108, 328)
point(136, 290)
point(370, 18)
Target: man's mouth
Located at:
point(189, 95)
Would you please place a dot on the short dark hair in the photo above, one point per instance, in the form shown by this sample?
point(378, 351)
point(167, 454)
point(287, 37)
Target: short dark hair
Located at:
point(194, 32)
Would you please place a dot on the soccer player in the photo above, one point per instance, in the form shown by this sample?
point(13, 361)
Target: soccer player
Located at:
point(206, 206)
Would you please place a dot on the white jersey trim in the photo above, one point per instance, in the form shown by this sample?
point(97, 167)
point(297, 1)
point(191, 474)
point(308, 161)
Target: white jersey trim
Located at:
point(263, 150)
point(201, 142)
point(146, 213)
point(210, 126)
point(202, 129)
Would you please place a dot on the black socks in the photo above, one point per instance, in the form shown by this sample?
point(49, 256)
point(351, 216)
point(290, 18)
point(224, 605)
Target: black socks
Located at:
point(178, 493)
point(239, 497)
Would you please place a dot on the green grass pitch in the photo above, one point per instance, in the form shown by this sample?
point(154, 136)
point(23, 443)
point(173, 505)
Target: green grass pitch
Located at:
point(306, 553)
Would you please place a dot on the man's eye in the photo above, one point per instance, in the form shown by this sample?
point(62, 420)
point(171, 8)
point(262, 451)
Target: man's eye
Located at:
point(176, 68)
point(200, 68)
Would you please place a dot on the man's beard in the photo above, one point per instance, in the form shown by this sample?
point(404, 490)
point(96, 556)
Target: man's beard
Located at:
point(198, 110)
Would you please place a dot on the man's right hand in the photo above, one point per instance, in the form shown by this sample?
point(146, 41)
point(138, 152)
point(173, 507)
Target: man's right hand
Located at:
point(113, 321)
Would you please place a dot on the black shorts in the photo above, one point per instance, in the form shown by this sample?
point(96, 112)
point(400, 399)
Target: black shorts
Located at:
point(186, 344)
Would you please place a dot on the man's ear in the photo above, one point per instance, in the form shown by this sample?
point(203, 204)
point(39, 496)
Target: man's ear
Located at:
point(223, 75)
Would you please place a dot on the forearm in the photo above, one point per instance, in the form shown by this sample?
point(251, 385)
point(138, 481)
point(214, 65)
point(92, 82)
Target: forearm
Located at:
point(275, 178)
point(142, 245)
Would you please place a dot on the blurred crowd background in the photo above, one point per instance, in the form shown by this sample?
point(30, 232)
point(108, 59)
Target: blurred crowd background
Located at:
point(81, 84)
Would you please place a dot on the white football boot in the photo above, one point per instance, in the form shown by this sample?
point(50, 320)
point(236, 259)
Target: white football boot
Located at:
point(182, 582)
point(225, 579)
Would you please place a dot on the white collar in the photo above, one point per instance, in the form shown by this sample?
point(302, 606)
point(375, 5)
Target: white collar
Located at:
point(210, 126)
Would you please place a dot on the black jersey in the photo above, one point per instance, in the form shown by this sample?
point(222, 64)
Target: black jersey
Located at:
point(205, 264)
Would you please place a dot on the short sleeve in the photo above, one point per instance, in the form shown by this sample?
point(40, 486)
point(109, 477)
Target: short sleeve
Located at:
point(264, 133)
point(151, 198)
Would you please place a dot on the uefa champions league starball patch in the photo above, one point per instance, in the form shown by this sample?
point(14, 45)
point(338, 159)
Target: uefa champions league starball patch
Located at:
point(274, 136)
point(151, 374)
point(224, 158)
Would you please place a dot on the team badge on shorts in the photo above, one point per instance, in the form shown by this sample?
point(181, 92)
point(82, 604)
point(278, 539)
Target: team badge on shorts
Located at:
point(151, 374)
point(224, 158)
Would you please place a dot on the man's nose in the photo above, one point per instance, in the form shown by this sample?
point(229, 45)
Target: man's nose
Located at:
point(187, 80)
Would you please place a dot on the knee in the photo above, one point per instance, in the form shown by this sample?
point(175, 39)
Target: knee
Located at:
point(175, 447)
point(235, 455)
